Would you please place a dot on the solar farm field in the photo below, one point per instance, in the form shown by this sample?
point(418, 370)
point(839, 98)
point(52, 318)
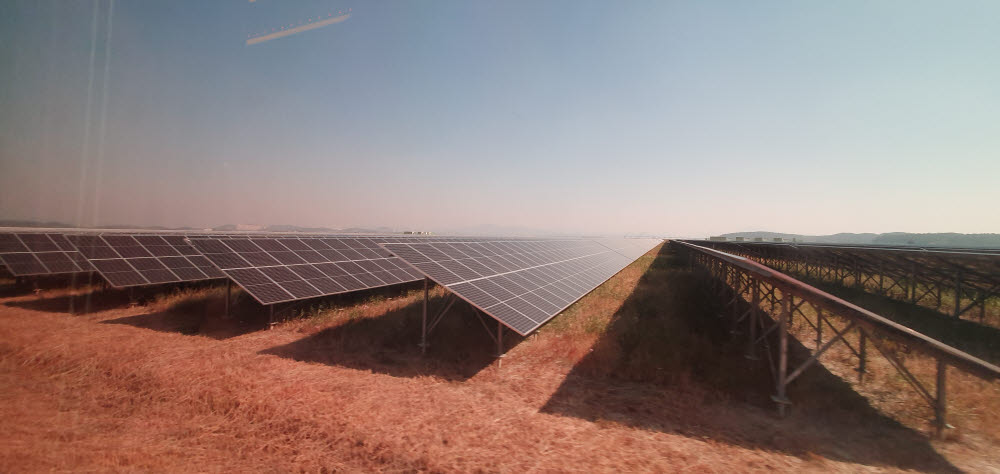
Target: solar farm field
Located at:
point(638, 375)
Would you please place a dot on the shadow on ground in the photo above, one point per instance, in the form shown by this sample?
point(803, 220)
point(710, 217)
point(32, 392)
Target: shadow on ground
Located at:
point(202, 316)
point(11, 286)
point(205, 314)
point(668, 363)
point(388, 343)
point(87, 302)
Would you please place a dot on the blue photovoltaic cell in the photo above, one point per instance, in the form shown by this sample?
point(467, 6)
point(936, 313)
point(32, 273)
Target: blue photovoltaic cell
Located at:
point(40, 253)
point(125, 259)
point(275, 269)
point(521, 283)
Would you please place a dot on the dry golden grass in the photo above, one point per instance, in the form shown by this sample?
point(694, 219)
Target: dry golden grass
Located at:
point(637, 375)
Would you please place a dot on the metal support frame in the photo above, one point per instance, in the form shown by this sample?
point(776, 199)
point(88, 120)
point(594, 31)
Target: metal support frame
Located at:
point(426, 329)
point(746, 285)
point(229, 290)
point(423, 319)
point(971, 278)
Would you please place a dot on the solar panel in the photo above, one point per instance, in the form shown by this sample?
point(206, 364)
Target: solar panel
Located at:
point(126, 260)
point(632, 248)
point(521, 283)
point(279, 269)
point(40, 253)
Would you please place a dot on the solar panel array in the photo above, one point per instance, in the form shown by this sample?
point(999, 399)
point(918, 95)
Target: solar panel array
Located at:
point(632, 248)
point(40, 253)
point(126, 260)
point(521, 283)
point(279, 269)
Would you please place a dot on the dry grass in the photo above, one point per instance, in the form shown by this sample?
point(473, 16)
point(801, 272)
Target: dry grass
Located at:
point(637, 375)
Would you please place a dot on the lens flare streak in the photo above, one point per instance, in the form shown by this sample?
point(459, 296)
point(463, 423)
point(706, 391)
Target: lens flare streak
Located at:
point(297, 29)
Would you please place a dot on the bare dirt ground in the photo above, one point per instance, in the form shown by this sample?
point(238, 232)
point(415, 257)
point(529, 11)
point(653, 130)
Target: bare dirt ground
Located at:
point(637, 376)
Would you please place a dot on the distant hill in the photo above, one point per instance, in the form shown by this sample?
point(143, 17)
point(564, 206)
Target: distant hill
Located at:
point(947, 239)
point(63, 225)
point(220, 228)
point(295, 228)
point(23, 223)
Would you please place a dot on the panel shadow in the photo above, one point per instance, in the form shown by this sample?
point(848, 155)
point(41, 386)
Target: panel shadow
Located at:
point(89, 302)
point(82, 296)
point(202, 315)
point(667, 362)
point(388, 343)
point(13, 286)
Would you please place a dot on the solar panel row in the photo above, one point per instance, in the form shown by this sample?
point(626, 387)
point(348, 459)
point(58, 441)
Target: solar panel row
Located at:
point(40, 253)
point(521, 283)
point(632, 248)
point(126, 260)
point(279, 269)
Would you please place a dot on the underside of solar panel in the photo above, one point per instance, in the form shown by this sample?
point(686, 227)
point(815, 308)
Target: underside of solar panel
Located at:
point(521, 283)
point(40, 253)
point(279, 269)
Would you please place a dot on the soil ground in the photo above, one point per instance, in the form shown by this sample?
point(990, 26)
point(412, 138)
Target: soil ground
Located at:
point(639, 375)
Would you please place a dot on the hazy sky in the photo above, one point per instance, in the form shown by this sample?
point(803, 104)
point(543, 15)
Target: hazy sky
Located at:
point(683, 118)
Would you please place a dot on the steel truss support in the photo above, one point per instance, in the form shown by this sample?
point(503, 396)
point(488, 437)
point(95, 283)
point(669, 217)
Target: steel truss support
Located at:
point(427, 325)
point(744, 295)
point(954, 283)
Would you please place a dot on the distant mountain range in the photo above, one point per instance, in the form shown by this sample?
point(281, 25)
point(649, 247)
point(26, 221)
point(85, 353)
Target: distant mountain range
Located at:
point(947, 239)
point(221, 228)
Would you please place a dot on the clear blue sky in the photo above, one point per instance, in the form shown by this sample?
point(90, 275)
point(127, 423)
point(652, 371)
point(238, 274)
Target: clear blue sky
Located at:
point(683, 118)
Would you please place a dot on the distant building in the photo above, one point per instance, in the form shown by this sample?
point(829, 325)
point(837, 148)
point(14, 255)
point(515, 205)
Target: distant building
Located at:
point(758, 239)
point(737, 239)
point(717, 238)
point(779, 239)
point(416, 232)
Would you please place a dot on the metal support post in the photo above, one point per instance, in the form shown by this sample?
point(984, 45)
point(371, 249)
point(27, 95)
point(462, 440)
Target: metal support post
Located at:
point(423, 320)
point(881, 276)
point(791, 313)
point(270, 316)
point(499, 341)
point(862, 355)
point(780, 398)
point(819, 327)
point(229, 290)
point(941, 405)
point(737, 297)
point(958, 293)
point(754, 309)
